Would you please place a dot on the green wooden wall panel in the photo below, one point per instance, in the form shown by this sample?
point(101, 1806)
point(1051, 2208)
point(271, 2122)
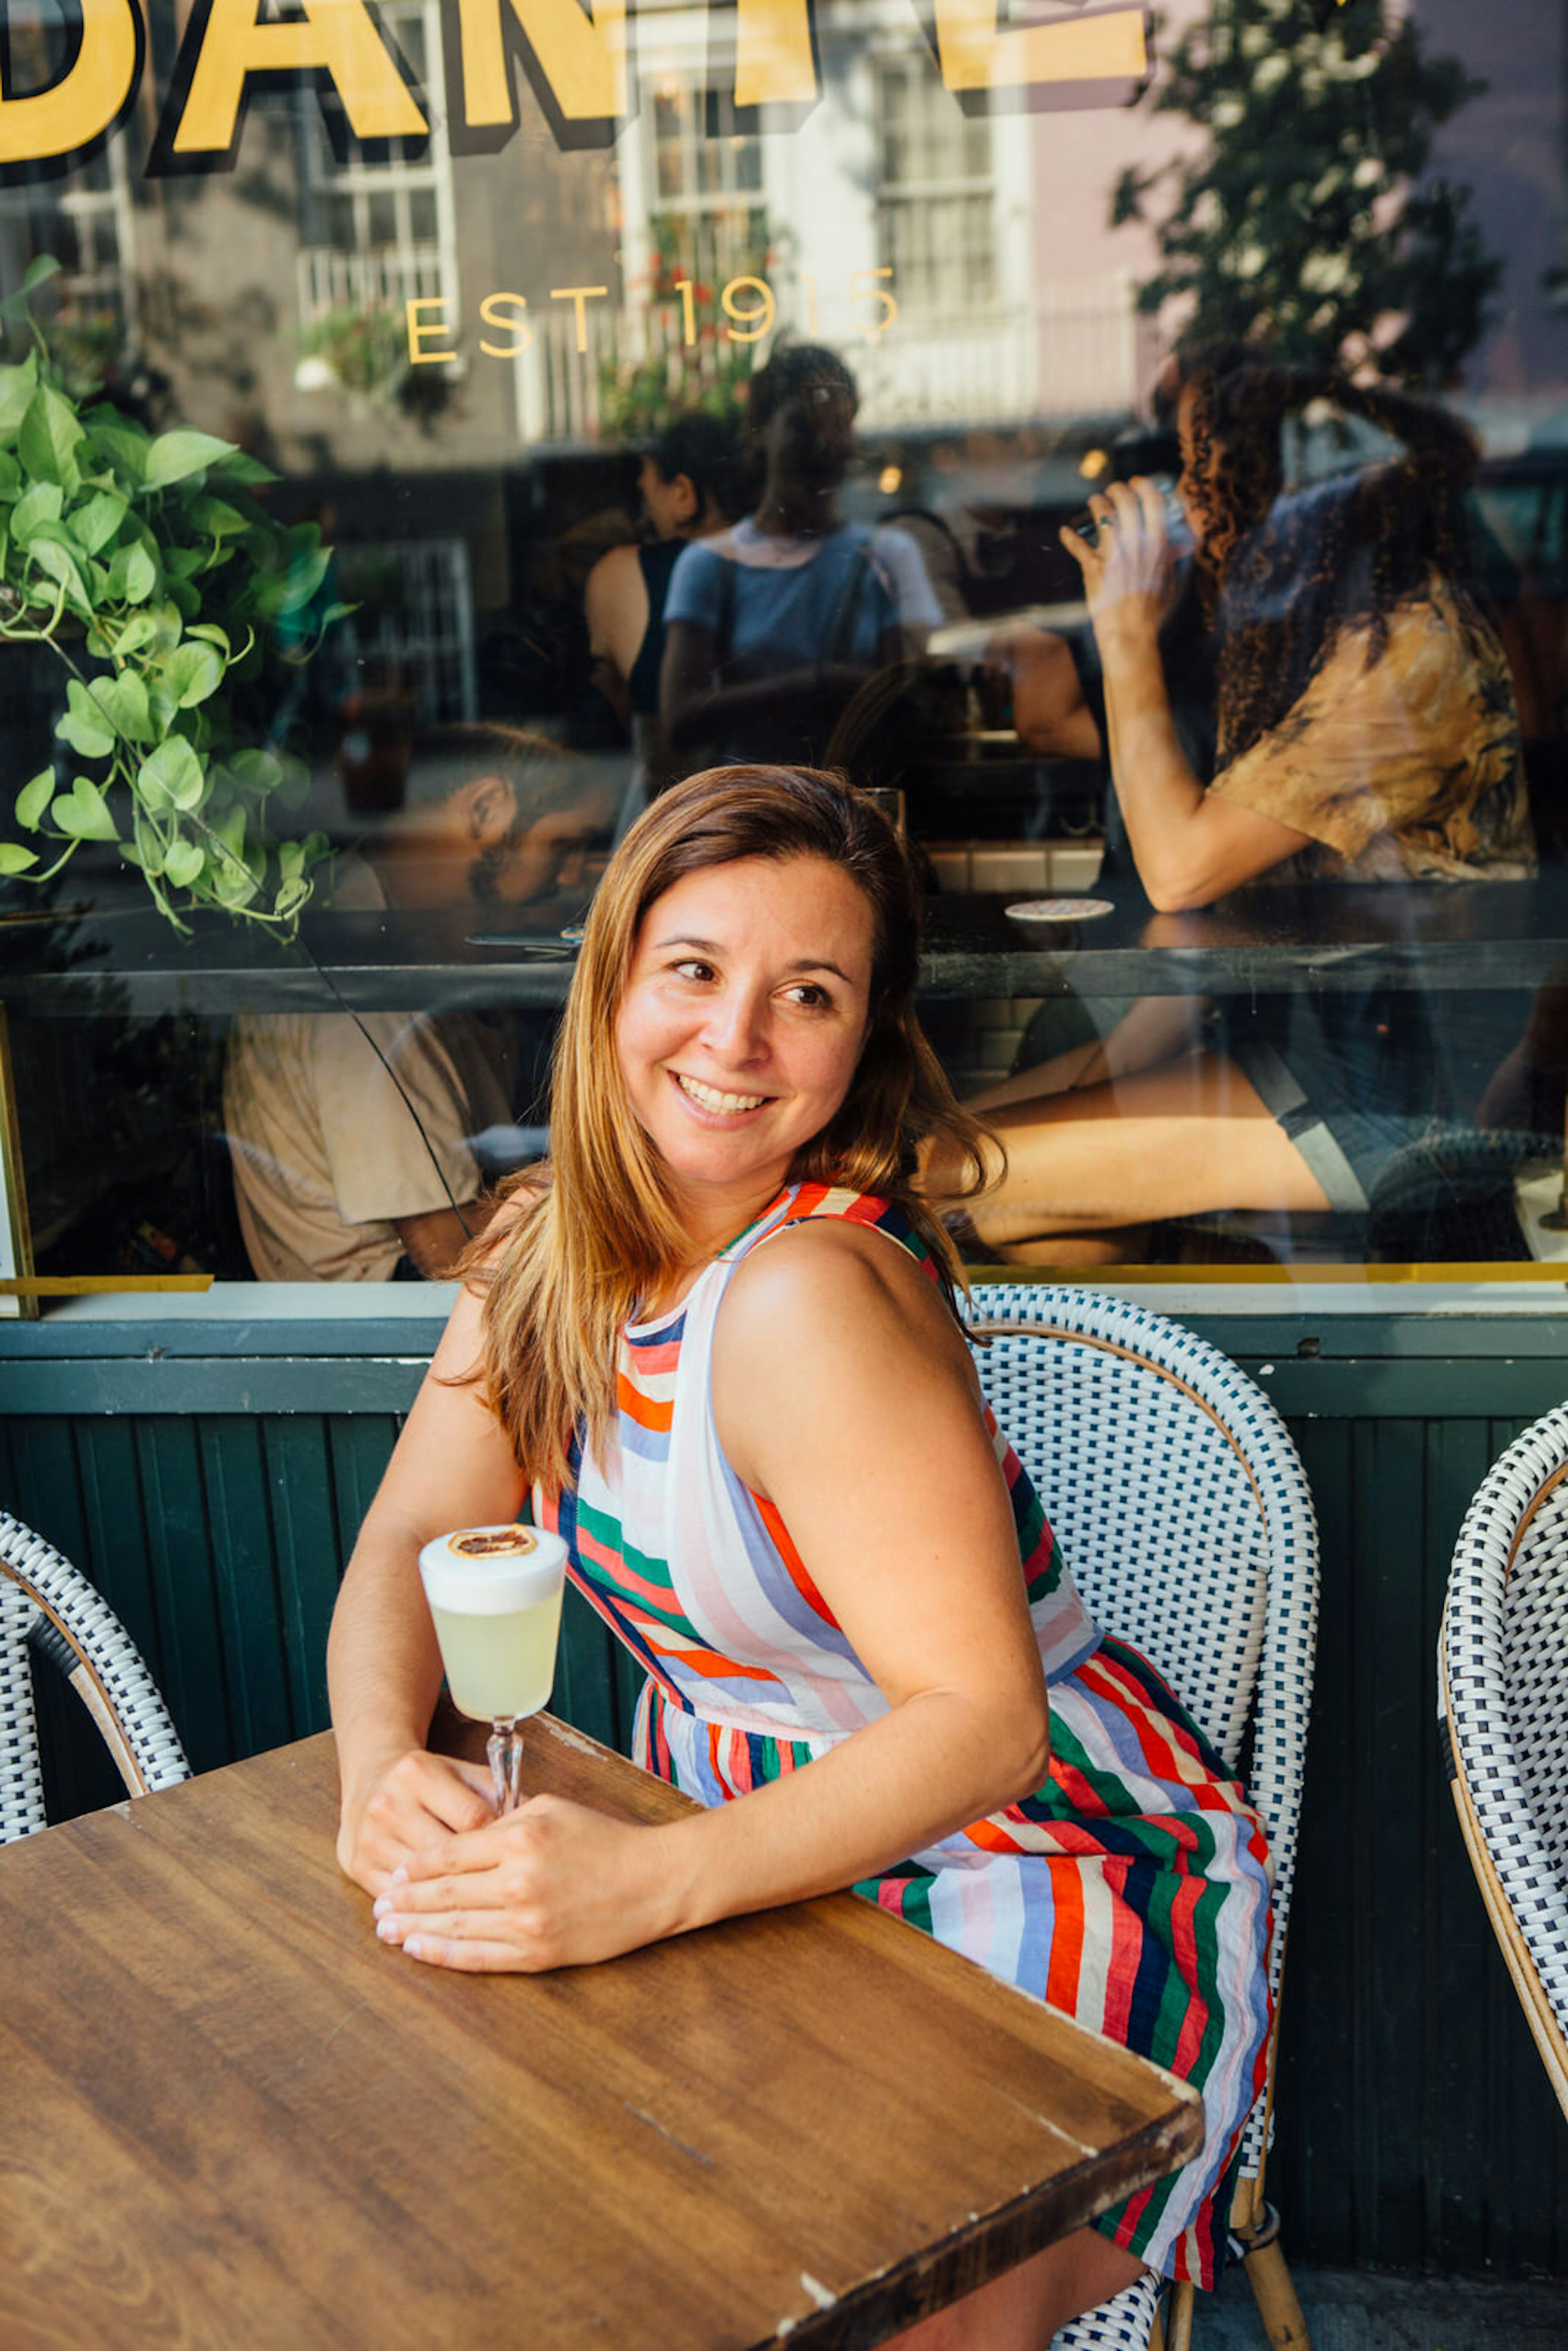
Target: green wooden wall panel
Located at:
point(243, 1546)
point(298, 1474)
point(181, 1540)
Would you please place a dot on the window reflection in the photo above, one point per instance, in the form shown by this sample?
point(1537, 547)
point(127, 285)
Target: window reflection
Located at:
point(750, 430)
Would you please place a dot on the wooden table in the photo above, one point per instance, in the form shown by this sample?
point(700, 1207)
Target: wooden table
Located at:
point(230, 2117)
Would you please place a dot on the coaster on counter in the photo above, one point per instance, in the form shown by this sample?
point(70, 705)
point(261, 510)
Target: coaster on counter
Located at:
point(1059, 910)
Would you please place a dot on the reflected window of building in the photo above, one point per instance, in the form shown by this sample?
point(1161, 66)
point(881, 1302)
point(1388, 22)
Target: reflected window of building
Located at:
point(704, 198)
point(376, 234)
point(936, 201)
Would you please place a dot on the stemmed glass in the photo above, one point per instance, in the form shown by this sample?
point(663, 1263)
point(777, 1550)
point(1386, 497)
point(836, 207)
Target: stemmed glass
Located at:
point(495, 1595)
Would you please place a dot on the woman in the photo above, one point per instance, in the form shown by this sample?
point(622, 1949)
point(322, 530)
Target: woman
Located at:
point(682, 1340)
point(687, 485)
point(1366, 732)
point(772, 627)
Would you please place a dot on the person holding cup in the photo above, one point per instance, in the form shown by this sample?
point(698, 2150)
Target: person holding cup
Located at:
point(1366, 732)
point(712, 1346)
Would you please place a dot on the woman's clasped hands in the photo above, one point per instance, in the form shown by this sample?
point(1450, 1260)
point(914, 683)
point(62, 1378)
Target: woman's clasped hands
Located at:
point(553, 1884)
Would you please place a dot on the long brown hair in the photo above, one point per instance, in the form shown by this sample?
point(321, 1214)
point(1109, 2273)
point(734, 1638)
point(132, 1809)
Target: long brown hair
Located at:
point(600, 1236)
point(1283, 577)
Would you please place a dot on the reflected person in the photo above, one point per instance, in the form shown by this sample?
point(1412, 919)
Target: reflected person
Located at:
point(686, 482)
point(773, 626)
point(1366, 732)
point(350, 1136)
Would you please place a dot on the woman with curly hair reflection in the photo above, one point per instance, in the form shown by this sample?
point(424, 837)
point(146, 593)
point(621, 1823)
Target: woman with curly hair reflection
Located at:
point(1366, 732)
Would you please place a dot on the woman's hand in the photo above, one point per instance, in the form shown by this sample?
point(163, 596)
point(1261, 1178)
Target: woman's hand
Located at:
point(1128, 575)
point(552, 1885)
point(400, 1808)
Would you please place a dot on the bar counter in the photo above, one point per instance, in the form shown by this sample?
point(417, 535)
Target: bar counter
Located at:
point(1266, 940)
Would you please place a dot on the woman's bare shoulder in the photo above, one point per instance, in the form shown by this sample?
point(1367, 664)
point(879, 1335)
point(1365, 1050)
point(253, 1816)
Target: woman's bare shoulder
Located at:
point(823, 1280)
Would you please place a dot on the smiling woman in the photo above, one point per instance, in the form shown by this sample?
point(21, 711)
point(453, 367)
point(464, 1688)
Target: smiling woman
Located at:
point(713, 1347)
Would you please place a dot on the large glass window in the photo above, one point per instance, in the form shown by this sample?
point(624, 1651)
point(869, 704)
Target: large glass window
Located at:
point(590, 398)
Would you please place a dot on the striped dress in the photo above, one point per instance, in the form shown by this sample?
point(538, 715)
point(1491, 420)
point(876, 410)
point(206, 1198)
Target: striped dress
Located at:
point(1131, 1890)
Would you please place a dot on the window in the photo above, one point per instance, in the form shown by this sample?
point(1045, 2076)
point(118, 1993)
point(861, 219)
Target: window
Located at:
point(935, 192)
point(704, 201)
point(378, 235)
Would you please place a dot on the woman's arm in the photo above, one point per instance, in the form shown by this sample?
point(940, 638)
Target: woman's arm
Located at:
point(452, 1466)
point(1189, 846)
point(845, 1398)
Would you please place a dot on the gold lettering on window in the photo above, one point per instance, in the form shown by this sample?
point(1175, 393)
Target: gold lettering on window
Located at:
point(581, 54)
point(337, 38)
point(976, 54)
point(54, 124)
point(774, 65)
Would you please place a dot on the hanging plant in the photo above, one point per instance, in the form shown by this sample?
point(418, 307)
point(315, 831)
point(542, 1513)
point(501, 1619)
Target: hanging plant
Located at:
point(146, 566)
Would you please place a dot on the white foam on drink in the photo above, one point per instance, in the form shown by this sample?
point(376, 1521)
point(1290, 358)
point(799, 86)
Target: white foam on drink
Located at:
point(497, 1582)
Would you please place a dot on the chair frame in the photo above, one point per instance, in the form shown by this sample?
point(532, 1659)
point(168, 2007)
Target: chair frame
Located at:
point(1277, 1681)
point(1521, 1884)
point(49, 1610)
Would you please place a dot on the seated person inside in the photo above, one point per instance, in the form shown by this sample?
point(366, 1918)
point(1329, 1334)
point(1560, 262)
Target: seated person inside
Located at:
point(1366, 732)
point(350, 1134)
point(865, 1656)
point(771, 628)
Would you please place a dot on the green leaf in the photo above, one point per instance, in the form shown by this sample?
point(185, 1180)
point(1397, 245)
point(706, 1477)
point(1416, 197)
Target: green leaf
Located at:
point(124, 444)
point(291, 896)
point(50, 439)
point(94, 525)
point(306, 573)
point(212, 634)
point(184, 597)
point(184, 562)
point(216, 516)
point(149, 848)
point(17, 385)
point(39, 270)
point(124, 701)
point(172, 776)
point(15, 858)
point(33, 800)
point(84, 726)
point(192, 672)
point(41, 504)
point(133, 575)
point(10, 476)
point(247, 472)
point(84, 816)
point(55, 560)
point(176, 456)
point(182, 862)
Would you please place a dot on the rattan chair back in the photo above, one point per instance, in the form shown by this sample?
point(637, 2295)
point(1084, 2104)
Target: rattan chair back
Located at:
point(1503, 1667)
point(50, 1614)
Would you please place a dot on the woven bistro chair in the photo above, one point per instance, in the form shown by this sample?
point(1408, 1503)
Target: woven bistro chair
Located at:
point(1184, 1518)
point(1502, 1705)
point(50, 1612)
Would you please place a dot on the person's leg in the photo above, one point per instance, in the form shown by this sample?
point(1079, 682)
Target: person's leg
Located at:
point(1191, 1135)
point(1023, 2308)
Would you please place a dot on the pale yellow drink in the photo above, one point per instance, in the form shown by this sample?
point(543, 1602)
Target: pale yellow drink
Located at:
point(503, 1663)
point(495, 1595)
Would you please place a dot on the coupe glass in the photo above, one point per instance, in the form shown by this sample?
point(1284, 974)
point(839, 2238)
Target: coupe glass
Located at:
point(495, 1596)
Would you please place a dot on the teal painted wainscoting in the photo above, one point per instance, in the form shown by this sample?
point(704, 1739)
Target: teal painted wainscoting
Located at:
point(210, 1475)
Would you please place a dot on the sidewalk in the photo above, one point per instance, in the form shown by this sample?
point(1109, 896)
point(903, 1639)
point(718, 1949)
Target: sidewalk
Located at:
point(1365, 2310)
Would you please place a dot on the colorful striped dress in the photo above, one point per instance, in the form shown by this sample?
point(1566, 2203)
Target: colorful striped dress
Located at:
point(1131, 1890)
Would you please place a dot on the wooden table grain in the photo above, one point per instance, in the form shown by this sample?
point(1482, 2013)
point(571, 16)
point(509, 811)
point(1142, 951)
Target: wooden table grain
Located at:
point(230, 2117)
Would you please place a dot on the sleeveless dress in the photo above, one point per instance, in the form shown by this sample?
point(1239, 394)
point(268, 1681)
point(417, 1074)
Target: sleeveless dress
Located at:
point(1131, 1889)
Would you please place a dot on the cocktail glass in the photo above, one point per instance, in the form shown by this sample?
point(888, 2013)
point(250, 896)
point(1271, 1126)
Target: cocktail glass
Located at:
point(495, 1596)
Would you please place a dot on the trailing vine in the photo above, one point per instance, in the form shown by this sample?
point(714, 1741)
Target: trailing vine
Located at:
point(146, 565)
